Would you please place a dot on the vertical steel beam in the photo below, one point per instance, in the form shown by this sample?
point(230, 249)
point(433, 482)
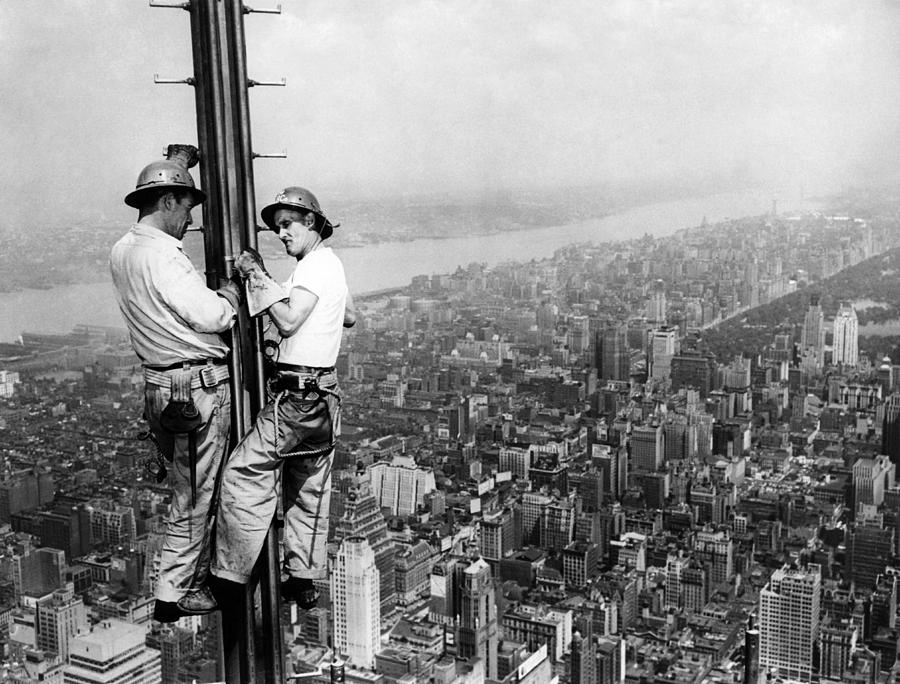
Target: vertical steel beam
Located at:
point(270, 630)
point(215, 127)
point(229, 217)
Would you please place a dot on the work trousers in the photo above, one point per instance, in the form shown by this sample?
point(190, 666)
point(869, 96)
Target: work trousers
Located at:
point(184, 563)
point(293, 436)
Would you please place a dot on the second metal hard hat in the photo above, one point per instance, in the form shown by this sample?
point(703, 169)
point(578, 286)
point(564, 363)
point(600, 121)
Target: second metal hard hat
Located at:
point(296, 198)
point(171, 172)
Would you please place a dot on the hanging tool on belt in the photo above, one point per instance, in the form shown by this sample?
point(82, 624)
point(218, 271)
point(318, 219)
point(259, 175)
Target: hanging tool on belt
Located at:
point(155, 464)
point(181, 417)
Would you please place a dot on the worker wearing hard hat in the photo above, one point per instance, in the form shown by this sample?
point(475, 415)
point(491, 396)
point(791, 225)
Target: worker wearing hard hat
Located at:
point(175, 323)
point(295, 432)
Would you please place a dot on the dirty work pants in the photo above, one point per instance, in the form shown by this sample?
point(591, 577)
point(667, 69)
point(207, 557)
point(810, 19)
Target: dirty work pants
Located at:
point(249, 493)
point(184, 563)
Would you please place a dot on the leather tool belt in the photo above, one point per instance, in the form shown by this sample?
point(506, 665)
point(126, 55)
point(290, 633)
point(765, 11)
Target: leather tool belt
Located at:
point(208, 374)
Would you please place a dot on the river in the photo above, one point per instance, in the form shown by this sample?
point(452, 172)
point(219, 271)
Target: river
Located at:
point(393, 264)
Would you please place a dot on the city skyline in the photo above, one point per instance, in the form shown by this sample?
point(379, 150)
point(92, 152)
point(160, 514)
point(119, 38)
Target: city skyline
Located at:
point(544, 465)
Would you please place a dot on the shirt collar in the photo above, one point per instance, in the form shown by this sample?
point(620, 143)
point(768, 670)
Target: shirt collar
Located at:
point(143, 230)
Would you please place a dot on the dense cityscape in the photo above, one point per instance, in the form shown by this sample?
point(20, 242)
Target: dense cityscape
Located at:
point(575, 470)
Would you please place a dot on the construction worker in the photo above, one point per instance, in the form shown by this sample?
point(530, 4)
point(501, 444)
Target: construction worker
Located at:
point(295, 432)
point(175, 323)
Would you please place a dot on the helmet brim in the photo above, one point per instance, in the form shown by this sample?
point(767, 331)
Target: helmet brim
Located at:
point(135, 198)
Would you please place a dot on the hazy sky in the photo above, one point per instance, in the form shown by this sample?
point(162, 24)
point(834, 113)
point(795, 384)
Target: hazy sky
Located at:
point(408, 96)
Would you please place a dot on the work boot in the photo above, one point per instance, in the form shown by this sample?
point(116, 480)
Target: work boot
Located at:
point(198, 602)
point(302, 590)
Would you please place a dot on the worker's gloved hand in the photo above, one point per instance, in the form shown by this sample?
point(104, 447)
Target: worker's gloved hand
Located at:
point(262, 290)
point(231, 292)
point(249, 261)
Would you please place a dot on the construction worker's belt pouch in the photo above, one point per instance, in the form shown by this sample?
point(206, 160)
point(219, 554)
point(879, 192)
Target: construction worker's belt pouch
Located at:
point(307, 413)
point(181, 417)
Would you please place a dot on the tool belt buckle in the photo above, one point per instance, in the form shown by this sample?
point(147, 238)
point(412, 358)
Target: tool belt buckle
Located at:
point(208, 376)
point(311, 389)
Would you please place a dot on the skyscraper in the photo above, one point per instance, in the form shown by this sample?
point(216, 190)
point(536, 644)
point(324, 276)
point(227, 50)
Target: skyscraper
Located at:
point(662, 350)
point(715, 548)
point(477, 632)
point(356, 603)
point(870, 548)
point(59, 617)
point(813, 335)
point(362, 517)
point(890, 428)
point(613, 357)
point(646, 447)
point(872, 477)
point(401, 484)
point(789, 620)
point(846, 336)
point(694, 368)
point(656, 303)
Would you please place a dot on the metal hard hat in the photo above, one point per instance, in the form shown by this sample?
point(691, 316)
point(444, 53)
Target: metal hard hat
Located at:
point(297, 198)
point(171, 172)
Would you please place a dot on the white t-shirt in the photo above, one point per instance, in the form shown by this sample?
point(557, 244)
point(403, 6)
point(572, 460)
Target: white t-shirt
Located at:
point(318, 340)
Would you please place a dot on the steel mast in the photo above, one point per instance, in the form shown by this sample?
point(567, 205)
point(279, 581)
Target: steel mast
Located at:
point(252, 644)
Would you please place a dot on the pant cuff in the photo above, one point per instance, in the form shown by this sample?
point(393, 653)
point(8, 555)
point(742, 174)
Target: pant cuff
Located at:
point(306, 574)
point(168, 596)
point(236, 577)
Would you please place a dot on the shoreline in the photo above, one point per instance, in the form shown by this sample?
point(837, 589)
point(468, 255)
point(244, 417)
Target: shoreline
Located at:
point(389, 266)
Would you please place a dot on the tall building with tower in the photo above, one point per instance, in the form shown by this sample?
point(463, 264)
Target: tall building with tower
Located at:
point(362, 516)
point(789, 620)
point(656, 303)
point(356, 603)
point(846, 336)
point(812, 339)
point(477, 633)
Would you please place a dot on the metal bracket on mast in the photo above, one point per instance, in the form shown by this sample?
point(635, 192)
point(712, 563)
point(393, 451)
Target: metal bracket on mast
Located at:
point(251, 82)
point(270, 155)
point(171, 5)
point(173, 81)
point(253, 10)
